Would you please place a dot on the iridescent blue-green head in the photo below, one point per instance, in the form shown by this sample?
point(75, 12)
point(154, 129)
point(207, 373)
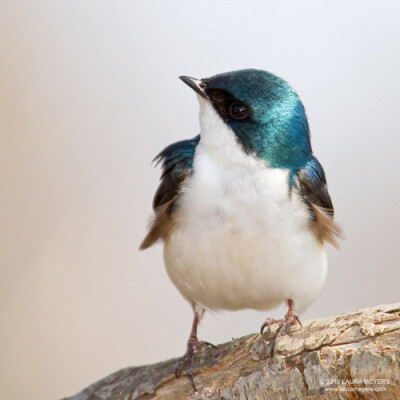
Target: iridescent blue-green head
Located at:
point(263, 111)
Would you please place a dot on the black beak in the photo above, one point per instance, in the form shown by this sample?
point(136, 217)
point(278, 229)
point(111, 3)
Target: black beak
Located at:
point(196, 84)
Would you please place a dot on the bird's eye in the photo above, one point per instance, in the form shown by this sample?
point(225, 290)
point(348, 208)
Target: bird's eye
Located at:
point(238, 111)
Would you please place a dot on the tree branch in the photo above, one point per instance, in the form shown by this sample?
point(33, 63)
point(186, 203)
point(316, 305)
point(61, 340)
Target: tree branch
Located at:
point(350, 356)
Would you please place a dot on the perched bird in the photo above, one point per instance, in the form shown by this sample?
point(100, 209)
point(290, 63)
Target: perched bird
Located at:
point(243, 208)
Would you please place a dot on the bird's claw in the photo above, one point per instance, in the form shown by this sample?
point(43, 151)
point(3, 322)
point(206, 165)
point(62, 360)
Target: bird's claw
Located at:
point(204, 344)
point(187, 360)
point(269, 321)
point(284, 324)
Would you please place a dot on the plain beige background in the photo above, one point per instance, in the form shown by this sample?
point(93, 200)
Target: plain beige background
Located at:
point(89, 94)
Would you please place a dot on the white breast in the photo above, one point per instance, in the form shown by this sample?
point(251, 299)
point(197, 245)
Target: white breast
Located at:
point(241, 240)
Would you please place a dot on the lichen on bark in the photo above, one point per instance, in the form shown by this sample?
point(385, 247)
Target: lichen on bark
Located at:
point(349, 356)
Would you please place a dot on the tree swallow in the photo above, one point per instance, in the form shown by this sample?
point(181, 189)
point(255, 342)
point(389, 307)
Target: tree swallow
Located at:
point(243, 208)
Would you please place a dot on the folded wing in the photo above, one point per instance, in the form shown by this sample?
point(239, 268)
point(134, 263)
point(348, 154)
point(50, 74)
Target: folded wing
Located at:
point(177, 164)
point(311, 182)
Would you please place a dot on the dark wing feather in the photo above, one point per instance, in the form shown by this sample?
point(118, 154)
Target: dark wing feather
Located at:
point(312, 185)
point(177, 162)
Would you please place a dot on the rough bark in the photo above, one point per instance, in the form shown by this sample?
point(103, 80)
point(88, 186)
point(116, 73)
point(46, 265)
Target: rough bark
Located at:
point(355, 355)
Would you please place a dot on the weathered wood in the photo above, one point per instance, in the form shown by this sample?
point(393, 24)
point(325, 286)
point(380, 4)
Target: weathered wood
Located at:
point(350, 356)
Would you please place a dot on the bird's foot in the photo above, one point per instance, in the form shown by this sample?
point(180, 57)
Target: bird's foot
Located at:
point(185, 363)
point(284, 324)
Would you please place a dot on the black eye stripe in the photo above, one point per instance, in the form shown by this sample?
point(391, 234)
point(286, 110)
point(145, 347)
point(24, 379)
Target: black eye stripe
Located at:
point(228, 107)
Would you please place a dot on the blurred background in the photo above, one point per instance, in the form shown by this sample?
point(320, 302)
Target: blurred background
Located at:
point(89, 94)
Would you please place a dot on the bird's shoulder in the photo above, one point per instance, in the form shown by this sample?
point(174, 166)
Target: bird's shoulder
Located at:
point(176, 163)
point(311, 182)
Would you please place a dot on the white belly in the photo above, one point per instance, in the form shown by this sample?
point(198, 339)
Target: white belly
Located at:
point(241, 240)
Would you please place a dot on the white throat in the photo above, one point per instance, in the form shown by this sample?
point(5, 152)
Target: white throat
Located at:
point(218, 139)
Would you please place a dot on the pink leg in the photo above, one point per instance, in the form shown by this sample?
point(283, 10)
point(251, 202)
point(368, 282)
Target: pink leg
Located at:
point(193, 345)
point(290, 319)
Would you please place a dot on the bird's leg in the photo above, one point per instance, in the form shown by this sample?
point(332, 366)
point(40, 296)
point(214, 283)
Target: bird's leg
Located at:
point(291, 318)
point(193, 345)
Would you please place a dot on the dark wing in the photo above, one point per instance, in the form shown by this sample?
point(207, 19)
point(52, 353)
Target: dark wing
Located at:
point(311, 182)
point(177, 162)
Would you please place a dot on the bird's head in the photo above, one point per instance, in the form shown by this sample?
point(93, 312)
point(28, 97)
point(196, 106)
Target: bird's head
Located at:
point(262, 110)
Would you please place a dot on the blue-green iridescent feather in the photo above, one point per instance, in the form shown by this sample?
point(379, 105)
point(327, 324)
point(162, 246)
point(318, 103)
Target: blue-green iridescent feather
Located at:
point(277, 129)
point(177, 162)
